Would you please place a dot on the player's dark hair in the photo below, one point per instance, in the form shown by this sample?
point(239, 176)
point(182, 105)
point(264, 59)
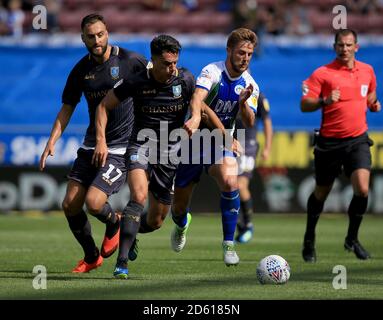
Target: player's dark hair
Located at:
point(241, 34)
point(92, 18)
point(164, 43)
point(345, 32)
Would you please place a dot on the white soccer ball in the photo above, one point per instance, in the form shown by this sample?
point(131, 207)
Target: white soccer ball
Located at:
point(273, 269)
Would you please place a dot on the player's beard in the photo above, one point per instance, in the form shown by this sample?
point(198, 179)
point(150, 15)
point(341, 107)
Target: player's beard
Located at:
point(237, 67)
point(97, 55)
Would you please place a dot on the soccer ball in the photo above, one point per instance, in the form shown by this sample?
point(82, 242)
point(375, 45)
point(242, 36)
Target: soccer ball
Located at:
point(273, 269)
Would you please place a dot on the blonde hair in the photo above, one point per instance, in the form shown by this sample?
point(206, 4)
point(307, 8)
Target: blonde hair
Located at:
point(241, 34)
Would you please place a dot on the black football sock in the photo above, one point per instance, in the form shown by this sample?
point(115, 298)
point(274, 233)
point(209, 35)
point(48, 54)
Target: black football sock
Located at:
point(130, 223)
point(81, 229)
point(144, 227)
point(314, 209)
point(109, 217)
point(356, 210)
point(246, 209)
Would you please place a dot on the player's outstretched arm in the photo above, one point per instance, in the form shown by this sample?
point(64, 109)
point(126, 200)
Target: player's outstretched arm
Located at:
point(58, 128)
point(247, 114)
point(109, 102)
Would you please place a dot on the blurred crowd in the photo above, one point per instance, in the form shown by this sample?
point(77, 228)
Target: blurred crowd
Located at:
point(289, 17)
point(293, 17)
point(14, 16)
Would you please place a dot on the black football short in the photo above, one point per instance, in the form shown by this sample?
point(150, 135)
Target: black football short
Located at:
point(108, 179)
point(161, 175)
point(351, 156)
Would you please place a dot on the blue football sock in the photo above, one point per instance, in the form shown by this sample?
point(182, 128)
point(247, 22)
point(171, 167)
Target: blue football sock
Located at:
point(180, 220)
point(230, 204)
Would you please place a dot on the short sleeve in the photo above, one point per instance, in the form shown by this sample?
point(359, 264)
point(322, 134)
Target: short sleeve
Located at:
point(253, 99)
point(73, 89)
point(189, 84)
point(263, 109)
point(134, 62)
point(208, 77)
point(372, 85)
point(312, 87)
point(123, 90)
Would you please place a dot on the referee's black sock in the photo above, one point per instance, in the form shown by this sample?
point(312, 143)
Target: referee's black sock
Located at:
point(356, 210)
point(144, 227)
point(81, 229)
point(314, 209)
point(108, 216)
point(130, 222)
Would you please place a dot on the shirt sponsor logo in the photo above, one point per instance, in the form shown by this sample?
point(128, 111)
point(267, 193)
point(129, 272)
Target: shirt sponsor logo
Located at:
point(224, 106)
point(305, 89)
point(149, 91)
point(177, 90)
point(163, 109)
point(363, 90)
point(90, 76)
point(114, 72)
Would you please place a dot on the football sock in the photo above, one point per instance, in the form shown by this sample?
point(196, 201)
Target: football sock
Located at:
point(180, 220)
point(108, 216)
point(130, 223)
point(81, 229)
point(357, 208)
point(144, 227)
point(245, 213)
point(314, 209)
point(230, 208)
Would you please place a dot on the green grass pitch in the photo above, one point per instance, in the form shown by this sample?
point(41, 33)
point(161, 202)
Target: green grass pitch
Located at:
point(198, 272)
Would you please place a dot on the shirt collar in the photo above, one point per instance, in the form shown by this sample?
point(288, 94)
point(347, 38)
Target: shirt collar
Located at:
point(340, 66)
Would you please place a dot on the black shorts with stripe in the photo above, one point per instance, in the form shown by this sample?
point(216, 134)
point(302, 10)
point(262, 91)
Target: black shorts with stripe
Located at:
point(108, 179)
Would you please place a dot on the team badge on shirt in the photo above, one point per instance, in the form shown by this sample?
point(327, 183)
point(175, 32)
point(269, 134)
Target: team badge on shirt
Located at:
point(177, 90)
point(363, 90)
point(238, 88)
point(114, 72)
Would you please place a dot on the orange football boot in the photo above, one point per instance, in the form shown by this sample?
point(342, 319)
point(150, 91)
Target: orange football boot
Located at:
point(83, 267)
point(110, 245)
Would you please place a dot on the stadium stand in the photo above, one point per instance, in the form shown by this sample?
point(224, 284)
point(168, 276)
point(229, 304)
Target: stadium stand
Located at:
point(208, 16)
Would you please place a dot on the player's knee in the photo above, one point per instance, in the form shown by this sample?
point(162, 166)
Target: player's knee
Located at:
point(66, 207)
point(155, 223)
point(362, 192)
point(93, 206)
point(139, 197)
point(69, 208)
point(229, 183)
